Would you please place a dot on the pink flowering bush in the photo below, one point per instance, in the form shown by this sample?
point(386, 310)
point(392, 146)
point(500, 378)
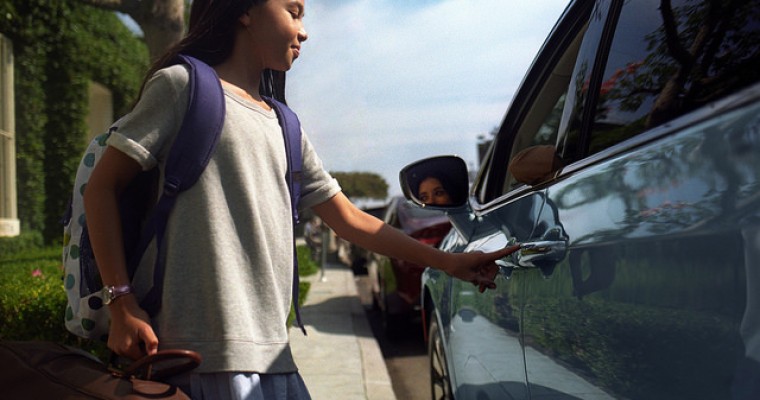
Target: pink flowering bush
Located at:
point(32, 299)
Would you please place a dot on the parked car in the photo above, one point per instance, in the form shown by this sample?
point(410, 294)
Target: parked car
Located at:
point(396, 284)
point(628, 168)
point(359, 255)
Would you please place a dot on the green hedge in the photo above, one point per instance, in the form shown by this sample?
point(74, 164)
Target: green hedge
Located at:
point(32, 297)
point(26, 241)
point(59, 46)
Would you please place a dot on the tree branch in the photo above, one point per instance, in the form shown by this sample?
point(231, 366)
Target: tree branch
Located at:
point(123, 6)
point(669, 23)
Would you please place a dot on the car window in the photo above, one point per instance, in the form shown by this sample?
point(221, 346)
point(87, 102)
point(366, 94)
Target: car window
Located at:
point(413, 218)
point(407, 217)
point(669, 58)
point(541, 123)
point(570, 128)
point(391, 216)
point(544, 117)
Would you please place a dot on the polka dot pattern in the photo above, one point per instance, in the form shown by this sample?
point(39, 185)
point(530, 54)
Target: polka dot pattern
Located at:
point(85, 315)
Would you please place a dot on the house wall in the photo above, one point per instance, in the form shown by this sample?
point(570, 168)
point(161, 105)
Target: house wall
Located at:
point(100, 114)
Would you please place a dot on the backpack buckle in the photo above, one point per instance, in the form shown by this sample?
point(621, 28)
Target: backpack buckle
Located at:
point(171, 187)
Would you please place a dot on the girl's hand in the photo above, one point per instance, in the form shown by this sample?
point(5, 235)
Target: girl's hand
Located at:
point(130, 334)
point(478, 268)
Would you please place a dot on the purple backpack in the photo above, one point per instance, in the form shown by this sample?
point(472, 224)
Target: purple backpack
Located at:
point(86, 315)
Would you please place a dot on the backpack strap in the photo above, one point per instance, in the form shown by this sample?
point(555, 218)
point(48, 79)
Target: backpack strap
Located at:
point(199, 133)
point(188, 157)
point(291, 130)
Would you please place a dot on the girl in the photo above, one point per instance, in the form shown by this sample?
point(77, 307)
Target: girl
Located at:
point(433, 192)
point(228, 253)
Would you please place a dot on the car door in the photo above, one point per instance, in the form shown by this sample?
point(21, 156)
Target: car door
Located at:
point(483, 332)
point(484, 336)
point(657, 210)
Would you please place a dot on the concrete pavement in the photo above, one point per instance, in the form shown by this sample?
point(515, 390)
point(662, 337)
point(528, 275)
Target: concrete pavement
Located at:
point(339, 359)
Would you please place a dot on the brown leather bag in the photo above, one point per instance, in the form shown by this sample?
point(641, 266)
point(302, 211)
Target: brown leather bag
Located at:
point(46, 370)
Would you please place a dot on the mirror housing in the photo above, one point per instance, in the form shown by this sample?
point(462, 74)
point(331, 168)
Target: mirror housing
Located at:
point(451, 175)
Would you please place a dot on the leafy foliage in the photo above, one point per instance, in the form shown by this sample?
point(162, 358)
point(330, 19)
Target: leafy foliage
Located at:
point(33, 300)
point(368, 185)
point(59, 46)
point(17, 244)
point(306, 264)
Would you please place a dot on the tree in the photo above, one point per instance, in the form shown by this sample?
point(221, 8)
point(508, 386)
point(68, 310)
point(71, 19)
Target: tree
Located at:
point(162, 21)
point(365, 185)
point(163, 24)
point(484, 143)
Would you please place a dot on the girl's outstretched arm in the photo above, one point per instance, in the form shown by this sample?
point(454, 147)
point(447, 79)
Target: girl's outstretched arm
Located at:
point(130, 325)
point(365, 230)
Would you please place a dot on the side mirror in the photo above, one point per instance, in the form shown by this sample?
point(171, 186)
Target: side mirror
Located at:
point(441, 182)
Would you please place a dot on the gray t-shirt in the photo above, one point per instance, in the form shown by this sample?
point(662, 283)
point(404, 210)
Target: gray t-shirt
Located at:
point(228, 246)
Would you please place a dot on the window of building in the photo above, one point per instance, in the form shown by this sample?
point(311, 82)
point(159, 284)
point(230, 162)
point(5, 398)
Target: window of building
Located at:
point(9, 223)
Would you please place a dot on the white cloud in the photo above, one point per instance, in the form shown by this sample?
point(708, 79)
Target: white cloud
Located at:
point(383, 83)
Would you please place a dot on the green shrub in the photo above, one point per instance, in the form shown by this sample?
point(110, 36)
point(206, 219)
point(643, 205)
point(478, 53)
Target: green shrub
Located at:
point(58, 47)
point(306, 267)
point(306, 264)
point(33, 300)
point(26, 241)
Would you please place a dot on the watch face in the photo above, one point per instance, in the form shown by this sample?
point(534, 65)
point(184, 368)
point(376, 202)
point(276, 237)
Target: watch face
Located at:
point(107, 294)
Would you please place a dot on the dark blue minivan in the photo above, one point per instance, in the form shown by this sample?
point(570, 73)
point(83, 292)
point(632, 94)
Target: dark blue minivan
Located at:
point(628, 168)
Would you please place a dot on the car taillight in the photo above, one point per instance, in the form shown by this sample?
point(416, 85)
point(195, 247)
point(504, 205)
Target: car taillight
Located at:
point(431, 241)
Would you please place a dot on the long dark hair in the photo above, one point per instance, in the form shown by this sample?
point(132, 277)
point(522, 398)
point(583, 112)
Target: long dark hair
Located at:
point(211, 37)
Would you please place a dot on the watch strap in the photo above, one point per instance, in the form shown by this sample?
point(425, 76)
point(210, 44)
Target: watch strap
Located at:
point(115, 292)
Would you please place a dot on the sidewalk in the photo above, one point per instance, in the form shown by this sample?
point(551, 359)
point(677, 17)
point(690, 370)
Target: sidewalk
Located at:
point(340, 358)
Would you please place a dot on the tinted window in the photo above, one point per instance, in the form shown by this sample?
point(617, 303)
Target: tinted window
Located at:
point(569, 137)
point(541, 123)
point(670, 57)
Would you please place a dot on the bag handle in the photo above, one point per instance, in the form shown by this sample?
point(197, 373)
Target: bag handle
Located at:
point(148, 368)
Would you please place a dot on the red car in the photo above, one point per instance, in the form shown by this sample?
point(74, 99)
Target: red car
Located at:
point(396, 284)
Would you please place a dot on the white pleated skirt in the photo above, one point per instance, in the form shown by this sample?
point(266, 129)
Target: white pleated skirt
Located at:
point(245, 386)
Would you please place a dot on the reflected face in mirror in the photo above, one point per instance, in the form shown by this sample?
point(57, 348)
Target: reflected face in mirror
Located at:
point(432, 192)
point(440, 181)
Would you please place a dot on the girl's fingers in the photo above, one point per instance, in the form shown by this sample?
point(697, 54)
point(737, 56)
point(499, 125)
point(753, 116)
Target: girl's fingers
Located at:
point(148, 337)
point(507, 251)
point(486, 273)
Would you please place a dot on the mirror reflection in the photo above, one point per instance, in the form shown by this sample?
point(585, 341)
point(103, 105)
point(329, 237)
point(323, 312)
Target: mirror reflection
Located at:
point(438, 181)
point(431, 191)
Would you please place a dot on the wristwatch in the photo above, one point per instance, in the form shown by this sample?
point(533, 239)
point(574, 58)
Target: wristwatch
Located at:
point(111, 293)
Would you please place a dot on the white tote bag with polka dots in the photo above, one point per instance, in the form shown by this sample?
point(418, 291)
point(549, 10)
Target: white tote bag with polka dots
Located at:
point(86, 315)
point(144, 211)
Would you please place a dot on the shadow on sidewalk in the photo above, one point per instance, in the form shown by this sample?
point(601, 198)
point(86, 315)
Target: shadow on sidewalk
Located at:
point(335, 316)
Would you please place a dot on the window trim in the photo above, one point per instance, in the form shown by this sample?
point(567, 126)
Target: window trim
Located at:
point(734, 101)
point(488, 187)
point(597, 76)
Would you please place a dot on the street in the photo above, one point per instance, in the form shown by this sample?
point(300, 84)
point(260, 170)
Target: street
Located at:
point(405, 357)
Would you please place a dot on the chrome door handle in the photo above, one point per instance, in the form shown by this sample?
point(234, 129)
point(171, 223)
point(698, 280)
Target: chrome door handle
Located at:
point(541, 254)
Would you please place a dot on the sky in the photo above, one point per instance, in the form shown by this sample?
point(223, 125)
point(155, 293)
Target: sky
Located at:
point(383, 83)
point(380, 84)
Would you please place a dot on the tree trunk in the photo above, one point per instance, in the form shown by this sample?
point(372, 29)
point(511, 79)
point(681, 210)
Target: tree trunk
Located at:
point(162, 21)
point(163, 25)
